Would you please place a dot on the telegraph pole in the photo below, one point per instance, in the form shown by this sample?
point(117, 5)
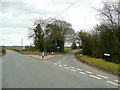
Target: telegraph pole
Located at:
point(21, 43)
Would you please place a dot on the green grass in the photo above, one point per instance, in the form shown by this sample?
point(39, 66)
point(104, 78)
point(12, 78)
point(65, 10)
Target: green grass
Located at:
point(98, 62)
point(30, 52)
point(66, 50)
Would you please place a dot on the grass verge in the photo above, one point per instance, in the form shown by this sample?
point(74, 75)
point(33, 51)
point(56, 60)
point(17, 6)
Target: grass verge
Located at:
point(99, 63)
point(66, 50)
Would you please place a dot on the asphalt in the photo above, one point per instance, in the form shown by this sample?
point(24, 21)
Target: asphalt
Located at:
point(62, 71)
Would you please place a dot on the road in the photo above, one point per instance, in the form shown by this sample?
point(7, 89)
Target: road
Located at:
point(62, 71)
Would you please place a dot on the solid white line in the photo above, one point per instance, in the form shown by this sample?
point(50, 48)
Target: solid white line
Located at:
point(66, 67)
point(82, 72)
point(102, 76)
point(95, 77)
point(113, 83)
point(88, 72)
point(79, 69)
point(73, 69)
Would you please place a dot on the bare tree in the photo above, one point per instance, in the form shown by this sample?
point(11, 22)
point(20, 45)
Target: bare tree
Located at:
point(110, 14)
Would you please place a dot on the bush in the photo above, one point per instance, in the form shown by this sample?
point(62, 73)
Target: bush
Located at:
point(2, 50)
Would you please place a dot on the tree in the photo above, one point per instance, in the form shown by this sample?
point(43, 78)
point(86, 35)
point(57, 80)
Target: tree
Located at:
point(111, 18)
point(86, 43)
point(50, 34)
point(56, 31)
point(38, 37)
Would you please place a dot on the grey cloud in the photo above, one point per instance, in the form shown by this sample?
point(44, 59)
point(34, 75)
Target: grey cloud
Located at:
point(24, 8)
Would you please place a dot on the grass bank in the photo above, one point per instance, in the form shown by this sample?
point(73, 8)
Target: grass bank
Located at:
point(99, 63)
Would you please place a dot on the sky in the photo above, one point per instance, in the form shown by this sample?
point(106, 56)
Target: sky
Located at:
point(17, 15)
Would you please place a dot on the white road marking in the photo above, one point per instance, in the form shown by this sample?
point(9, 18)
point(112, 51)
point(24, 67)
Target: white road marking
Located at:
point(88, 72)
point(66, 67)
point(79, 69)
point(102, 76)
point(82, 72)
point(113, 83)
point(59, 61)
point(63, 57)
point(95, 77)
point(73, 69)
point(60, 65)
point(116, 81)
point(55, 63)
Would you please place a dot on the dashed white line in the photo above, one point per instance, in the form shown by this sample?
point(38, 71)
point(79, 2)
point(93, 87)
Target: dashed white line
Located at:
point(88, 72)
point(59, 61)
point(66, 67)
point(55, 63)
point(79, 69)
point(73, 69)
point(102, 76)
point(60, 65)
point(82, 72)
point(64, 58)
point(95, 77)
point(113, 83)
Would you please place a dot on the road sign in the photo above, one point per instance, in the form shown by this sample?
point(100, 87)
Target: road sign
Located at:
point(58, 47)
point(106, 54)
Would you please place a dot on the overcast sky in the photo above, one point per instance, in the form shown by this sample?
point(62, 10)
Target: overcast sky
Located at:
point(17, 15)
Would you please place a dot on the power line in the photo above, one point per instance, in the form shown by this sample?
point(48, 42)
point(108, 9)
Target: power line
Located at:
point(67, 8)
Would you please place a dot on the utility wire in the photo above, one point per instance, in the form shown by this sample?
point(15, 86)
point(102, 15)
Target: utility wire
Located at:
point(67, 8)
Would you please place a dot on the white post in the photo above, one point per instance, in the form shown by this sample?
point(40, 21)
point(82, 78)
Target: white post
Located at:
point(43, 55)
point(52, 53)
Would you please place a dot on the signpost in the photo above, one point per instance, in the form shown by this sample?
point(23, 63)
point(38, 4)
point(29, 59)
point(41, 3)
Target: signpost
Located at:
point(43, 55)
point(107, 57)
point(58, 48)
